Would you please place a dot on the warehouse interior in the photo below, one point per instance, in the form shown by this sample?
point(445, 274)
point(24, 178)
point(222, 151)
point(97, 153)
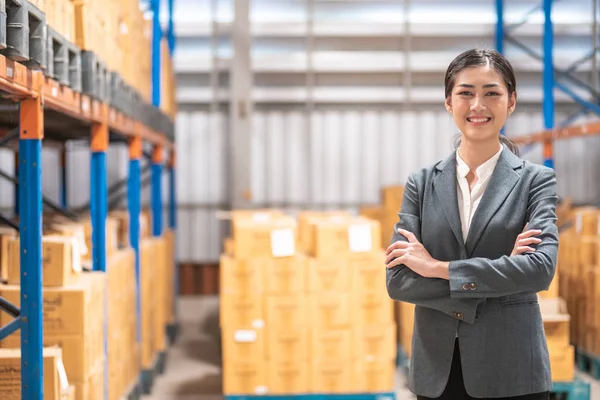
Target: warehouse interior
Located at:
point(197, 195)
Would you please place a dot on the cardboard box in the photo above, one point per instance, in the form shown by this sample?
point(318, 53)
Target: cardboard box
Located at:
point(332, 377)
point(6, 234)
point(288, 377)
point(242, 311)
point(328, 275)
point(55, 379)
point(70, 310)
point(291, 344)
point(245, 377)
point(307, 218)
point(93, 388)
point(242, 344)
point(240, 276)
point(374, 376)
point(285, 275)
point(556, 322)
point(330, 310)
point(338, 237)
point(367, 272)
point(286, 311)
point(391, 197)
point(374, 307)
point(264, 238)
point(374, 342)
point(61, 261)
point(562, 364)
point(332, 344)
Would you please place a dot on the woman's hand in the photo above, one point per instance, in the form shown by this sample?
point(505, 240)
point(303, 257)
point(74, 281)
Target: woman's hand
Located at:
point(524, 240)
point(414, 256)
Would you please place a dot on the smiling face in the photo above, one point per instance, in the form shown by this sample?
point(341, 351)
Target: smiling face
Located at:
point(480, 102)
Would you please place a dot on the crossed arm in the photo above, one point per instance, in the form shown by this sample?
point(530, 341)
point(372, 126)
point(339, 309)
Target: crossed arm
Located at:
point(415, 277)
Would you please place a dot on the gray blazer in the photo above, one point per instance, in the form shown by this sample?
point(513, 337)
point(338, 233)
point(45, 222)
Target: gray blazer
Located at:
point(490, 299)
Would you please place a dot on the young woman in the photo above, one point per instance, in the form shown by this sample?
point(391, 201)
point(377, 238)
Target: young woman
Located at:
point(476, 240)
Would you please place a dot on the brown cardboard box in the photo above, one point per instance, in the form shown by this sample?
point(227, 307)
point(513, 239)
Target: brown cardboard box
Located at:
point(264, 239)
point(228, 246)
point(331, 376)
point(375, 342)
point(285, 275)
point(374, 307)
point(367, 272)
point(290, 344)
point(374, 376)
point(392, 197)
point(6, 234)
point(286, 311)
point(307, 218)
point(55, 380)
point(245, 377)
point(242, 311)
point(407, 323)
point(61, 261)
point(337, 237)
point(330, 310)
point(93, 388)
point(331, 344)
point(242, 344)
point(556, 322)
point(67, 310)
point(328, 275)
point(240, 276)
point(562, 364)
point(288, 377)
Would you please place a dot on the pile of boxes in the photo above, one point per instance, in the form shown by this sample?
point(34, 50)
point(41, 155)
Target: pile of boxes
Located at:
point(304, 308)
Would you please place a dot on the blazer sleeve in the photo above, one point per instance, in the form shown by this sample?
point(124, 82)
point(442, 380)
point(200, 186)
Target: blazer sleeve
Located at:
point(529, 272)
point(405, 285)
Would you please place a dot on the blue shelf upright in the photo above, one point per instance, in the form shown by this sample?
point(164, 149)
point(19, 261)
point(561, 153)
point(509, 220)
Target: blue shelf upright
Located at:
point(99, 211)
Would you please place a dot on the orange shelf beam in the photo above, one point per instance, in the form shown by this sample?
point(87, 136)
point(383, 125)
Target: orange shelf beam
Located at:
point(589, 129)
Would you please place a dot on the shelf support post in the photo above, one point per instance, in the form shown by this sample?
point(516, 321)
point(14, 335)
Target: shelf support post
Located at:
point(134, 205)
point(500, 26)
point(63, 178)
point(548, 81)
point(99, 211)
point(156, 39)
point(157, 209)
point(31, 116)
point(173, 226)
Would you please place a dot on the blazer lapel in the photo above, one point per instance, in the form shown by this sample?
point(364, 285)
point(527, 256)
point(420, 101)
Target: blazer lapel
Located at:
point(444, 186)
point(502, 182)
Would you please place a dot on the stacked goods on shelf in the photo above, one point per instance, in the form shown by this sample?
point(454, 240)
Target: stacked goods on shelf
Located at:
point(316, 320)
point(556, 325)
point(90, 26)
point(73, 309)
point(56, 384)
point(167, 81)
point(148, 272)
point(169, 236)
point(6, 234)
point(60, 15)
point(579, 277)
point(123, 349)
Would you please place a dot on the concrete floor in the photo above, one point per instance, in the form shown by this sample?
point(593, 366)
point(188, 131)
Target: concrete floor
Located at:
point(194, 368)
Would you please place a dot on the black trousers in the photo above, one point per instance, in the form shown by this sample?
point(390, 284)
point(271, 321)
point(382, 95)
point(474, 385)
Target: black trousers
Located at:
point(455, 389)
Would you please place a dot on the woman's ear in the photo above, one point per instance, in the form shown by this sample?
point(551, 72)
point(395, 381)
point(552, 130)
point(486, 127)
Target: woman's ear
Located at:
point(448, 104)
point(512, 103)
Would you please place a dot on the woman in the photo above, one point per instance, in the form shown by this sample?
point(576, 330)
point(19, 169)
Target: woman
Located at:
point(462, 254)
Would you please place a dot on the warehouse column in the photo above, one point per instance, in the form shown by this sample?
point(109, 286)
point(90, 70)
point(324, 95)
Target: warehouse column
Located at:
point(16, 194)
point(500, 26)
point(63, 177)
point(134, 205)
point(30, 225)
point(98, 211)
point(548, 78)
point(156, 199)
point(240, 108)
point(156, 38)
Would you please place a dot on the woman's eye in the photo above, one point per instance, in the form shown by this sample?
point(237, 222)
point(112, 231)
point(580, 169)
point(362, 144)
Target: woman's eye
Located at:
point(493, 94)
point(464, 93)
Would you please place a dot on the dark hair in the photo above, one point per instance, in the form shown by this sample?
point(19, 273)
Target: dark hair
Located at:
point(480, 58)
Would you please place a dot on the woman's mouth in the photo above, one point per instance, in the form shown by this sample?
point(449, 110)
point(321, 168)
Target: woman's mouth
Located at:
point(478, 120)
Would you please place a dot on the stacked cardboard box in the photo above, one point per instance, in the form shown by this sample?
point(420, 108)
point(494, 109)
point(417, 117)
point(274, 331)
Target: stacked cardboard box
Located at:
point(556, 325)
point(311, 321)
point(56, 384)
point(60, 15)
point(73, 321)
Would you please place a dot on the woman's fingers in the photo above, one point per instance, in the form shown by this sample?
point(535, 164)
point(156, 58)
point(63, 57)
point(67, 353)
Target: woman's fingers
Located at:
point(524, 249)
point(529, 233)
point(527, 241)
point(396, 245)
point(395, 254)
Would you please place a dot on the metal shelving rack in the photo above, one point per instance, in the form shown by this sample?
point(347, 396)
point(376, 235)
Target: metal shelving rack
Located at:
point(50, 111)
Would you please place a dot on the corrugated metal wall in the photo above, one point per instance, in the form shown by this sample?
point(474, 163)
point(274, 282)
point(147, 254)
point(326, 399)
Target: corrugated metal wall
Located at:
point(342, 162)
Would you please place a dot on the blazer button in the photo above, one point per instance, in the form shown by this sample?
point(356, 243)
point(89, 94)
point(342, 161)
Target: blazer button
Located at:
point(459, 315)
point(473, 286)
point(466, 286)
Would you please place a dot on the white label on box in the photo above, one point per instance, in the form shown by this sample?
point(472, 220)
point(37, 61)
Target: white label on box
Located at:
point(261, 217)
point(282, 243)
point(359, 238)
point(62, 374)
point(54, 91)
point(261, 390)
point(337, 219)
point(9, 72)
point(80, 233)
point(578, 223)
point(244, 336)
point(258, 324)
